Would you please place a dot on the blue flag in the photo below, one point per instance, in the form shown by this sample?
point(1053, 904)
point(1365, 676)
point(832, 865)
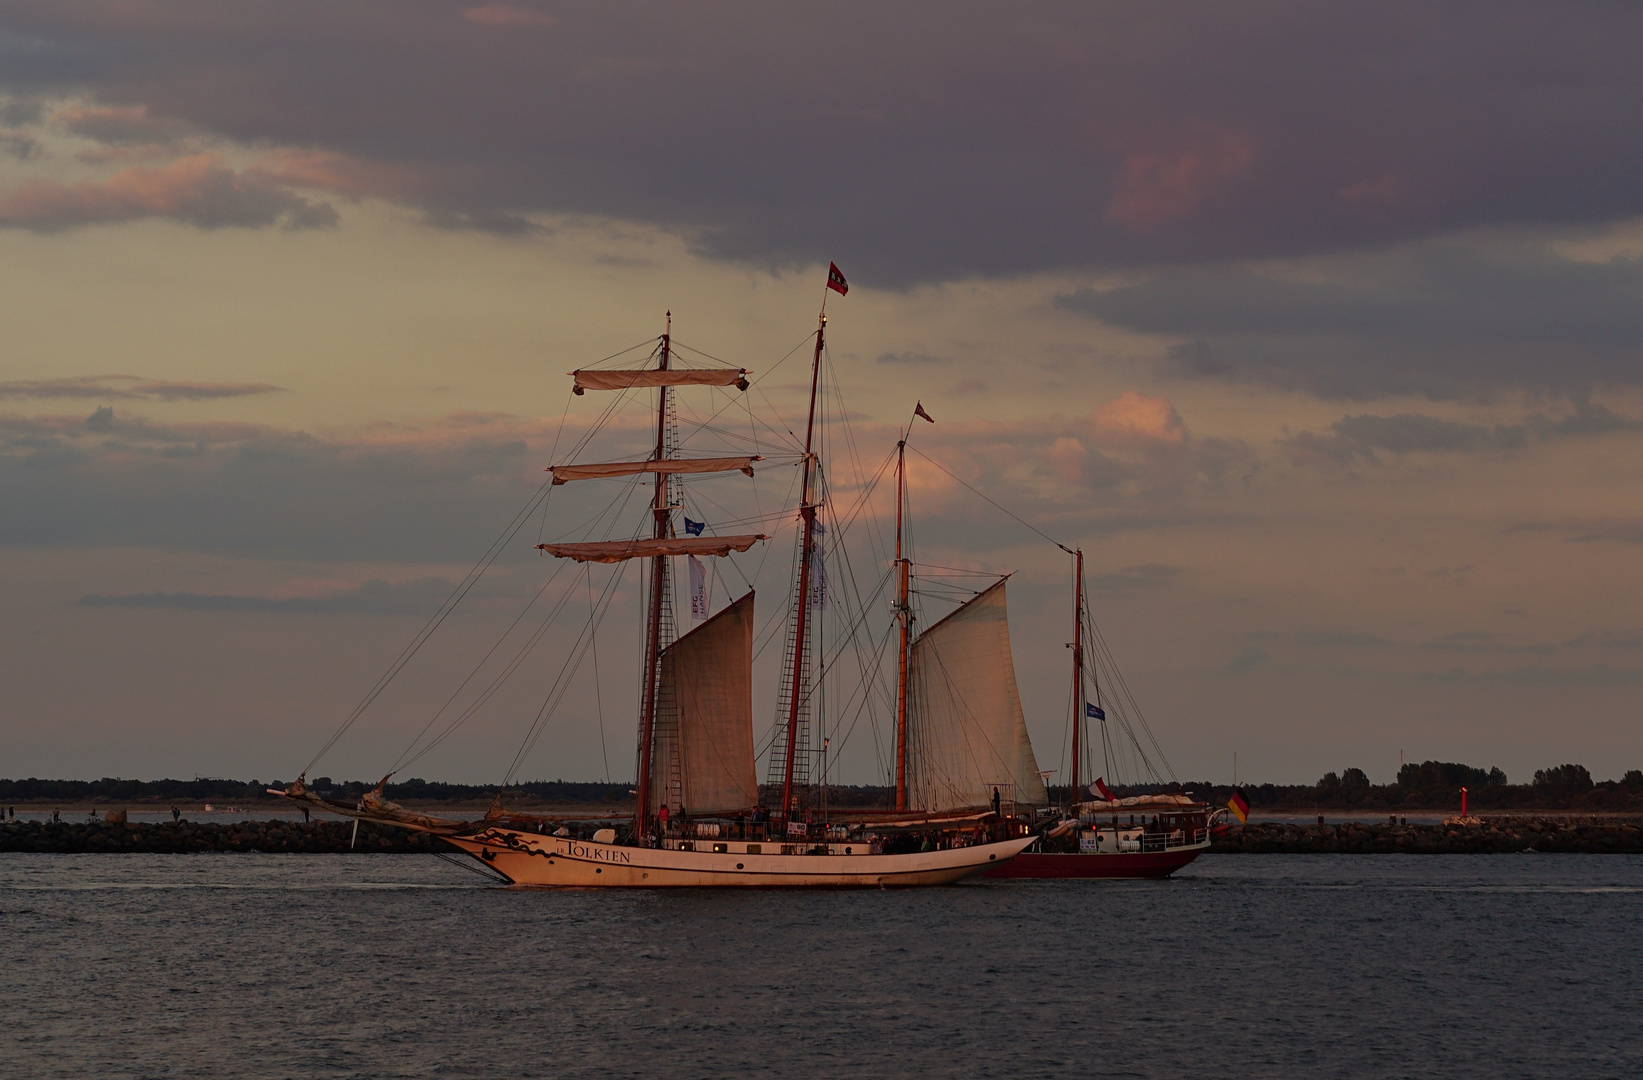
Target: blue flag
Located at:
point(694, 528)
point(1094, 712)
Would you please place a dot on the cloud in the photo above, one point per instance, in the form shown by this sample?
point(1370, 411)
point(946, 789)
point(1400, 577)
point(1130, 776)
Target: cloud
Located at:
point(1154, 188)
point(924, 141)
point(1608, 639)
point(411, 492)
point(1357, 438)
point(1588, 530)
point(1131, 579)
point(1598, 674)
point(911, 358)
point(1444, 319)
point(507, 16)
point(375, 597)
point(129, 387)
point(117, 123)
point(199, 190)
point(18, 145)
point(1132, 420)
point(1248, 658)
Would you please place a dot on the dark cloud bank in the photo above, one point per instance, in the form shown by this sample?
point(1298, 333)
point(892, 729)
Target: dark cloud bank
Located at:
point(916, 142)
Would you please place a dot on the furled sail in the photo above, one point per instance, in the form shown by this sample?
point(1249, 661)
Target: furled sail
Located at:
point(702, 757)
point(965, 731)
point(611, 551)
point(1138, 802)
point(598, 379)
point(599, 470)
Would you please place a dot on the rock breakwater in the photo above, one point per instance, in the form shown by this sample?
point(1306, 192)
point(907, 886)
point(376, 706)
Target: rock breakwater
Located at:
point(314, 837)
point(1589, 835)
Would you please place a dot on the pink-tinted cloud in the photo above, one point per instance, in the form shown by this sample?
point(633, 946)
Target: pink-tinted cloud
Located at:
point(199, 190)
point(116, 123)
point(342, 174)
point(1136, 421)
point(1154, 188)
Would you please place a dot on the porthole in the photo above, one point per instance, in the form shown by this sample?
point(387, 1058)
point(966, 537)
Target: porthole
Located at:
point(847, 851)
point(738, 866)
point(990, 858)
point(598, 870)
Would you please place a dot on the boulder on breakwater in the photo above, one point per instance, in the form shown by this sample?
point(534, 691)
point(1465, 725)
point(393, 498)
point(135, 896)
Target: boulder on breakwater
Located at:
point(1562, 834)
point(316, 837)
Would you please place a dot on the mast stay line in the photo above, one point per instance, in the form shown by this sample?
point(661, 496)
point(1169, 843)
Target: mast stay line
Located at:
point(456, 596)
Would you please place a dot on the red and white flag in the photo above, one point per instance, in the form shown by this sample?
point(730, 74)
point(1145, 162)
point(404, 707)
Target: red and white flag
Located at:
point(835, 280)
point(918, 410)
point(1100, 788)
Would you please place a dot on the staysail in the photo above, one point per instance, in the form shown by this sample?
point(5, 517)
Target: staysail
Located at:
point(610, 379)
point(614, 551)
point(599, 470)
point(702, 759)
point(965, 730)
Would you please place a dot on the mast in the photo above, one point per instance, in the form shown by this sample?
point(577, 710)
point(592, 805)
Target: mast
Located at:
point(903, 616)
point(807, 514)
point(1078, 674)
point(658, 583)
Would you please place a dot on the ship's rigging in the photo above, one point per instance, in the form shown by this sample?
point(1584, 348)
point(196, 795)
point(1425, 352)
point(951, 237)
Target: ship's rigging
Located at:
point(841, 662)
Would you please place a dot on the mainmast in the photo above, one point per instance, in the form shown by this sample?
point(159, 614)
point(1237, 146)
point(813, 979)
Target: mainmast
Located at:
point(1078, 675)
point(660, 513)
point(904, 617)
point(807, 515)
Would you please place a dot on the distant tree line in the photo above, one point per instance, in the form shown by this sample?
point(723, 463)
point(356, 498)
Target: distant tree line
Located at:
point(204, 789)
point(1430, 785)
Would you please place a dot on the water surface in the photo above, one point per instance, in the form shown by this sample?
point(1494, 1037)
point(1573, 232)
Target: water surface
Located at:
point(250, 966)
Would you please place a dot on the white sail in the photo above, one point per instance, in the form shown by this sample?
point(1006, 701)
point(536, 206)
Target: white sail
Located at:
point(702, 751)
point(966, 733)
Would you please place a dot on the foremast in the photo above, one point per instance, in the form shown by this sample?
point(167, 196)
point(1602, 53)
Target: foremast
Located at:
point(661, 519)
point(661, 544)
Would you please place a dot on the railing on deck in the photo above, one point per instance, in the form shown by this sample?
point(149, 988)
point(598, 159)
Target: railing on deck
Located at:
point(1180, 838)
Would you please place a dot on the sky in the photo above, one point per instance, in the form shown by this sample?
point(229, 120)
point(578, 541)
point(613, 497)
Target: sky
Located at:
point(1317, 328)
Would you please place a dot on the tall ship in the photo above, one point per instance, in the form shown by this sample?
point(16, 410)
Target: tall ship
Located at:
point(701, 818)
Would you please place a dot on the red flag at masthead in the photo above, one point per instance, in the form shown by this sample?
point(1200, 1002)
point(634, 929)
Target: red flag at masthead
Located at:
point(918, 410)
point(835, 280)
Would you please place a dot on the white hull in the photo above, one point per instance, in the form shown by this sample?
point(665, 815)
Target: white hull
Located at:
point(532, 859)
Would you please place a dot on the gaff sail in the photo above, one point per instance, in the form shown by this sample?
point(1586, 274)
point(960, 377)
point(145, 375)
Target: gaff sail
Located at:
point(600, 379)
point(612, 551)
point(704, 718)
point(965, 730)
point(600, 470)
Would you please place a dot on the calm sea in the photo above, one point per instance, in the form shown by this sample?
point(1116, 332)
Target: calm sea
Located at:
point(250, 966)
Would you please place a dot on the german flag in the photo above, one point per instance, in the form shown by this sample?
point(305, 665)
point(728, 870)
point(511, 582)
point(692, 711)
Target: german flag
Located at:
point(1239, 805)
